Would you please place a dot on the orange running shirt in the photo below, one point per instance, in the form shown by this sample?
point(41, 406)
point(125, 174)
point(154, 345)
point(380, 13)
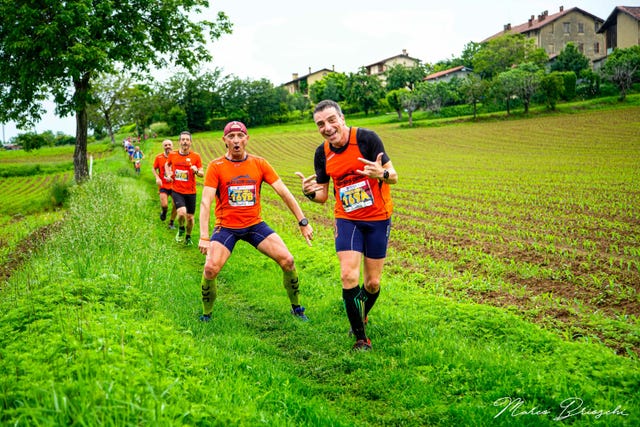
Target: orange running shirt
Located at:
point(357, 197)
point(158, 164)
point(238, 186)
point(184, 180)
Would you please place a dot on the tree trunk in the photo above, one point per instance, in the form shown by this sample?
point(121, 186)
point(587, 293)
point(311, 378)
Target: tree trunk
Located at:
point(80, 164)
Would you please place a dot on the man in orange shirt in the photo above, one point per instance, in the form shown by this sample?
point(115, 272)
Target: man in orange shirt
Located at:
point(181, 169)
point(361, 171)
point(234, 181)
point(164, 186)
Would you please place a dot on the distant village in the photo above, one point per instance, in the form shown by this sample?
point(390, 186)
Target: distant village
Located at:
point(593, 36)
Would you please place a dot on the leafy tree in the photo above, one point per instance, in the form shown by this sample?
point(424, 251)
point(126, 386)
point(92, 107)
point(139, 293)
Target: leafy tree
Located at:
point(473, 89)
point(410, 101)
point(590, 86)
point(622, 68)
point(176, 119)
point(434, 95)
point(394, 99)
point(108, 103)
point(529, 76)
point(265, 103)
point(505, 87)
point(141, 107)
point(196, 94)
point(570, 59)
point(57, 48)
point(500, 54)
point(364, 90)
point(552, 86)
point(234, 92)
point(468, 53)
point(569, 85)
point(332, 86)
point(399, 76)
point(298, 102)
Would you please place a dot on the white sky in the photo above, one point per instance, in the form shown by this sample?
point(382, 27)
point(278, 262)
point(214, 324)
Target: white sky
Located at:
point(273, 39)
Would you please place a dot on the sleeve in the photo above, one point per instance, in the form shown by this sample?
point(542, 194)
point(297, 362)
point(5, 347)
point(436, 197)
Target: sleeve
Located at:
point(211, 176)
point(319, 164)
point(268, 172)
point(371, 145)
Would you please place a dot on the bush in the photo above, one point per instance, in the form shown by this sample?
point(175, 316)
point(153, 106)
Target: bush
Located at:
point(60, 192)
point(160, 129)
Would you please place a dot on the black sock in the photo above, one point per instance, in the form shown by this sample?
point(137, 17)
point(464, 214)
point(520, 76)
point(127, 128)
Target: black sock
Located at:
point(370, 301)
point(164, 211)
point(354, 308)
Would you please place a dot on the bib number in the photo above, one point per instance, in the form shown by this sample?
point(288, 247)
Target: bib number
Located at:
point(242, 195)
point(356, 196)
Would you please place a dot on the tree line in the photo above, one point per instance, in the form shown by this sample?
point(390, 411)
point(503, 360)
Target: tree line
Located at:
point(507, 71)
point(94, 60)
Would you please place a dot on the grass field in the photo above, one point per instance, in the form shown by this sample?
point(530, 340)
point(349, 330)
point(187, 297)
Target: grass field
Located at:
point(510, 295)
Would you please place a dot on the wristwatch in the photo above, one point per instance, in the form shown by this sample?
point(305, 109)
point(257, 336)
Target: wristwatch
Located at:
point(303, 222)
point(385, 174)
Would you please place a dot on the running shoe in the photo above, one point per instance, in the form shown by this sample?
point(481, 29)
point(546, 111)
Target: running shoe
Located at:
point(299, 313)
point(362, 345)
point(205, 318)
point(180, 234)
point(187, 241)
point(163, 216)
point(171, 227)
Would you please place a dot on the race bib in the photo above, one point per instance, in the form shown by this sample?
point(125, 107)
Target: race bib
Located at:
point(181, 175)
point(242, 195)
point(356, 196)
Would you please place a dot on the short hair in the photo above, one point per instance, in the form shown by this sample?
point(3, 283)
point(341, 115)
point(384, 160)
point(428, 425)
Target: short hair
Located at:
point(327, 103)
point(185, 132)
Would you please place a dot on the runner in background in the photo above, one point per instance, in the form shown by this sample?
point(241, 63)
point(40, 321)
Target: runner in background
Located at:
point(164, 186)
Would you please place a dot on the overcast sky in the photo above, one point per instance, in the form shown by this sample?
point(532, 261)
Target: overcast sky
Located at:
point(276, 38)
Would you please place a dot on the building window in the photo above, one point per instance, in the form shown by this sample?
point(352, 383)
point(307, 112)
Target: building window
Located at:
point(580, 28)
point(551, 28)
point(567, 27)
point(597, 26)
point(596, 47)
point(581, 47)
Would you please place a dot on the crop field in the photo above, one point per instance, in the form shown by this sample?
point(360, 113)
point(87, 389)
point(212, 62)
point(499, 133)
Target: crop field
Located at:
point(540, 215)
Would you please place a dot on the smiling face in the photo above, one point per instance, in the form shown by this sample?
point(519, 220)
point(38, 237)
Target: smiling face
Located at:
point(332, 126)
point(236, 143)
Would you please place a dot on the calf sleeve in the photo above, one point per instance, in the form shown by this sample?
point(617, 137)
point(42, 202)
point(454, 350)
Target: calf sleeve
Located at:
point(209, 293)
point(290, 282)
point(354, 305)
point(369, 301)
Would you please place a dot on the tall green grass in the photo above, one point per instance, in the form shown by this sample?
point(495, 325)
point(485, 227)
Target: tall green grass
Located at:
point(100, 328)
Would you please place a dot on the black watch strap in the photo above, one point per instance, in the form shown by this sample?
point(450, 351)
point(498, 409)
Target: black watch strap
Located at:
point(303, 222)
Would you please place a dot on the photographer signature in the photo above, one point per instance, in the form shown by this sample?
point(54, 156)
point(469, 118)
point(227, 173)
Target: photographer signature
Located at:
point(570, 407)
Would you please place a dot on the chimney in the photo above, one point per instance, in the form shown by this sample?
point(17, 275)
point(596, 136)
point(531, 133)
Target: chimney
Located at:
point(507, 27)
point(309, 70)
point(561, 8)
point(404, 52)
point(295, 76)
point(531, 21)
point(333, 68)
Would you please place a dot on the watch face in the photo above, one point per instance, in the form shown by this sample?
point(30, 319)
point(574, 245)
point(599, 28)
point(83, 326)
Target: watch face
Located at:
point(385, 175)
point(303, 222)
